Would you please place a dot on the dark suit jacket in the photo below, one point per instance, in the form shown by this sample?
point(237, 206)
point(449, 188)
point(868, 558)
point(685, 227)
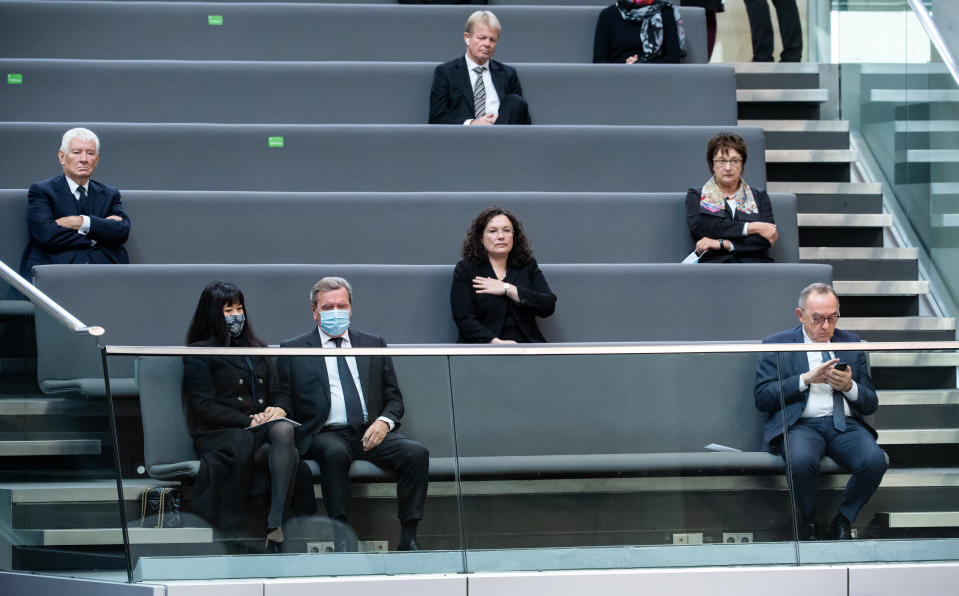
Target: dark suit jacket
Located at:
point(304, 383)
point(769, 385)
point(706, 224)
point(451, 97)
point(222, 392)
point(480, 317)
point(50, 200)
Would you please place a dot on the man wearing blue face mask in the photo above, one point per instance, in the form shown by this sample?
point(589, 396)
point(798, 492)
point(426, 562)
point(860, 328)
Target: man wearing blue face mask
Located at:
point(349, 408)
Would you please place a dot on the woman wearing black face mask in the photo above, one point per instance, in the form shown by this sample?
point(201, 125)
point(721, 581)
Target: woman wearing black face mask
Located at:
point(233, 418)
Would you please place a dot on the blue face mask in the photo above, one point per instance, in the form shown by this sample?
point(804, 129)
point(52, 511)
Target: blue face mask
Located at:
point(235, 324)
point(334, 322)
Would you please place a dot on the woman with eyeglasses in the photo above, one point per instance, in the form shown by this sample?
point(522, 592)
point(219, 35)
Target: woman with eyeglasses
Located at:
point(730, 221)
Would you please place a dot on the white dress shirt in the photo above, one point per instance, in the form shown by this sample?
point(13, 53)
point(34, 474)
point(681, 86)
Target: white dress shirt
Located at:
point(85, 226)
point(337, 404)
point(492, 99)
point(819, 403)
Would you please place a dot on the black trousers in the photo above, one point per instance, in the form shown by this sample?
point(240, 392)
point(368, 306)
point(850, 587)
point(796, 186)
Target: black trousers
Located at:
point(513, 109)
point(761, 26)
point(335, 449)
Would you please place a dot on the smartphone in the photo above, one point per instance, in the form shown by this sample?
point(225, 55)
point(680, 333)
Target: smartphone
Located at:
point(841, 366)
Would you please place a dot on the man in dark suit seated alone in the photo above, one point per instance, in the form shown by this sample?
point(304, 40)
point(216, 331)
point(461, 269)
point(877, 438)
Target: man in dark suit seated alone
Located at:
point(73, 219)
point(475, 89)
point(349, 408)
point(826, 394)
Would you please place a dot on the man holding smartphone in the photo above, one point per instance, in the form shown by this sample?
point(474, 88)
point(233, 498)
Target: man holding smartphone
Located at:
point(816, 401)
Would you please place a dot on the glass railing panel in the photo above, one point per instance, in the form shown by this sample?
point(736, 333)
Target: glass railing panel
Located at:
point(903, 107)
point(59, 511)
point(190, 437)
point(876, 480)
point(580, 461)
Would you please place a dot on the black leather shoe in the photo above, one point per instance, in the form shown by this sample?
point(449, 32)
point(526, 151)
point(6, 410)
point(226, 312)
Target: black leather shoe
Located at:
point(411, 545)
point(840, 528)
point(808, 531)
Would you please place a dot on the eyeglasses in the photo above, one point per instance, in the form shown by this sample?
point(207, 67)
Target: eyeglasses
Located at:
point(819, 319)
point(722, 163)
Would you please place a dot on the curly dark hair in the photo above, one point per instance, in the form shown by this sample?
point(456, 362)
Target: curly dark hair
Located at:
point(721, 143)
point(208, 320)
point(473, 250)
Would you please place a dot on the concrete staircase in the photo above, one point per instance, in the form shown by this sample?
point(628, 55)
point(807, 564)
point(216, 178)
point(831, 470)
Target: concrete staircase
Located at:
point(842, 222)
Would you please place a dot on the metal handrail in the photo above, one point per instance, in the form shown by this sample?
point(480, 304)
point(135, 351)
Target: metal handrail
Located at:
point(45, 302)
point(535, 350)
point(919, 9)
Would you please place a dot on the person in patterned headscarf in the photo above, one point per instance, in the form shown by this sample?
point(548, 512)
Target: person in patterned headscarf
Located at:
point(730, 221)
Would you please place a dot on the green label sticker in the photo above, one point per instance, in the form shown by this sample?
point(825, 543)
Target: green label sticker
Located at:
point(275, 142)
point(215, 20)
point(14, 79)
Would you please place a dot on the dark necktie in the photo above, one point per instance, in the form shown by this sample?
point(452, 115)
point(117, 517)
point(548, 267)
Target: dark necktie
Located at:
point(351, 397)
point(82, 202)
point(838, 411)
point(479, 94)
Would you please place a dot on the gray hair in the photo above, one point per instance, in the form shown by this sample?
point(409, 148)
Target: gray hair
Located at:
point(328, 284)
point(483, 17)
point(79, 134)
point(816, 288)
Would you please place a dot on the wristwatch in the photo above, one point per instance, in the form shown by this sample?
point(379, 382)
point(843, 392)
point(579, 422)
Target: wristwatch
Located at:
point(506, 287)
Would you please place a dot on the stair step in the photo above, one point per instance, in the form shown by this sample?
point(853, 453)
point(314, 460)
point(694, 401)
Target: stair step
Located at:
point(799, 125)
point(924, 126)
point(49, 447)
point(926, 156)
point(827, 188)
point(844, 220)
point(782, 95)
point(881, 288)
point(912, 359)
point(837, 253)
point(776, 68)
point(917, 397)
point(913, 95)
point(858, 324)
point(918, 436)
point(49, 406)
point(803, 134)
point(84, 491)
point(810, 156)
point(903, 69)
point(919, 519)
point(110, 536)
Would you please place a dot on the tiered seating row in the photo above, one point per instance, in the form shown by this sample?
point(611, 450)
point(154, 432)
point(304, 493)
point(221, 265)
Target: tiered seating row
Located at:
point(406, 304)
point(353, 93)
point(393, 158)
point(399, 228)
point(275, 31)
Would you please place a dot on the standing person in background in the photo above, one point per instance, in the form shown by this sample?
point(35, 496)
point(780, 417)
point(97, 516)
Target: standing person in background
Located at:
point(761, 26)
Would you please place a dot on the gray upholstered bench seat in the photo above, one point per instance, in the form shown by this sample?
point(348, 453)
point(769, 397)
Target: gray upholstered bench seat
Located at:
point(352, 93)
point(249, 31)
point(637, 303)
point(384, 157)
point(620, 227)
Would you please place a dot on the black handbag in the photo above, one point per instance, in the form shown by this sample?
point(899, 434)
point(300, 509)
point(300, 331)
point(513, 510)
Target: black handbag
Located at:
point(160, 504)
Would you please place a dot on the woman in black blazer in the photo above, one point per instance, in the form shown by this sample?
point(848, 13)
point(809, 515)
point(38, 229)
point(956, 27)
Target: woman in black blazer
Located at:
point(730, 221)
point(498, 289)
point(228, 400)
